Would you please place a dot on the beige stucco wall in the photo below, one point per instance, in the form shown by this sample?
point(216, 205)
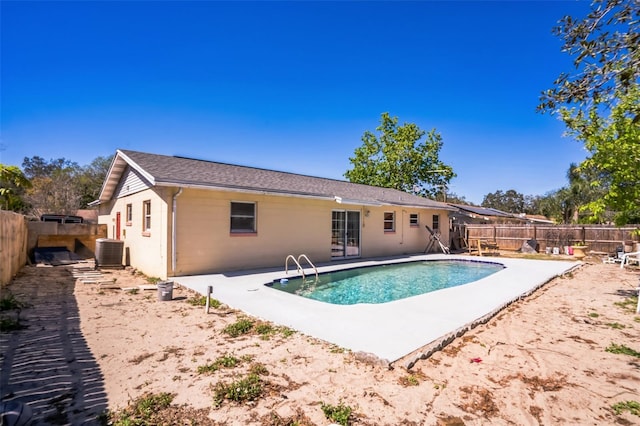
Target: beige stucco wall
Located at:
point(285, 225)
point(147, 252)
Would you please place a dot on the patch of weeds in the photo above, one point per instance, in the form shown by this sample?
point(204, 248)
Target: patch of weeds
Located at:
point(409, 380)
point(10, 324)
point(631, 406)
point(227, 361)
point(258, 369)
point(622, 349)
point(153, 280)
point(133, 291)
point(286, 331)
point(238, 328)
point(141, 411)
point(265, 330)
point(298, 419)
point(202, 301)
point(628, 304)
point(247, 389)
point(8, 302)
point(247, 358)
point(616, 325)
point(336, 349)
point(636, 319)
point(439, 386)
point(337, 413)
point(594, 315)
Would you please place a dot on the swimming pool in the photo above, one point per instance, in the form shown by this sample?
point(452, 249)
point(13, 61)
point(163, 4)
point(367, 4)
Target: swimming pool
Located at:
point(388, 330)
point(386, 283)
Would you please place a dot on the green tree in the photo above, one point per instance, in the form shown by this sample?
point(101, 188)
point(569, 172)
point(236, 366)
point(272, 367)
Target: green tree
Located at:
point(598, 102)
point(605, 47)
point(54, 187)
point(398, 158)
point(510, 201)
point(62, 186)
point(91, 177)
point(613, 144)
point(13, 184)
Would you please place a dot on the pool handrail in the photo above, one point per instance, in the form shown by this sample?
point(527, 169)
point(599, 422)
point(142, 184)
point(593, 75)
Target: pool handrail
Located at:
point(298, 266)
point(305, 257)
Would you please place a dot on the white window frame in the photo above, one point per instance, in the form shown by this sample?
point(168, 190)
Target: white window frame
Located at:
point(128, 214)
point(435, 223)
point(414, 219)
point(389, 221)
point(252, 230)
point(146, 216)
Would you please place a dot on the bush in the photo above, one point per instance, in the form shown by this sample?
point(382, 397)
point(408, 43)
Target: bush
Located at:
point(238, 328)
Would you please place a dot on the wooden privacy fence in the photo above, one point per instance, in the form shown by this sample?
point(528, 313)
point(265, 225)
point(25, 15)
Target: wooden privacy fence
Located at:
point(13, 245)
point(599, 238)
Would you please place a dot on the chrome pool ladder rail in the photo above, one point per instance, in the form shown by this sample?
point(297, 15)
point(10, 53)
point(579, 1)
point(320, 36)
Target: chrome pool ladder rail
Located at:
point(300, 269)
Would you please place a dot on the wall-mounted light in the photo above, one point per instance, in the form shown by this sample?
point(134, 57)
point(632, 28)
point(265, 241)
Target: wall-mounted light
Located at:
point(366, 213)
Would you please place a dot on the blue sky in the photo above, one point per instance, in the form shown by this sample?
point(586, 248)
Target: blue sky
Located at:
point(288, 86)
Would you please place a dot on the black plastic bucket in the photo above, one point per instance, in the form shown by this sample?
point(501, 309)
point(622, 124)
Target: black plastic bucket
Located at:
point(165, 291)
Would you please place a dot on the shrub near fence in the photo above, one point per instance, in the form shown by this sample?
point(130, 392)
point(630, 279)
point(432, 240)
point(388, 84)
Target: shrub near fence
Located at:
point(599, 238)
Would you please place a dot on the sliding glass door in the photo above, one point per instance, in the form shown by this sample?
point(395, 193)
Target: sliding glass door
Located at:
point(345, 233)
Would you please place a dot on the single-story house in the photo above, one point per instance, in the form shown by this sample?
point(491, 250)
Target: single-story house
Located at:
point(182, 216)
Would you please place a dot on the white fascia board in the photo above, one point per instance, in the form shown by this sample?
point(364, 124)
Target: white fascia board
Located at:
point(341, 200)
point(135, 166)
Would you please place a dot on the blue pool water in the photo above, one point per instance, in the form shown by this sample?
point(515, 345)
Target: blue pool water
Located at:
point(385, 283)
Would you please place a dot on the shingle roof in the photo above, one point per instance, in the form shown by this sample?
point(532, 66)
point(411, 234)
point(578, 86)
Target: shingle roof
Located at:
point(484, 211)
point(163, 170)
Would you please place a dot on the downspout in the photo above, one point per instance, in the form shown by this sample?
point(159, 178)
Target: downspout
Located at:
point(174, 211)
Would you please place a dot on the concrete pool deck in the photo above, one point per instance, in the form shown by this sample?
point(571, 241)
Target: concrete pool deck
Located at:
point(391, 330)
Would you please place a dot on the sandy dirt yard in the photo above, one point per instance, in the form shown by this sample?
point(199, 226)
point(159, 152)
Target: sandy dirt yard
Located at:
point(568, 354)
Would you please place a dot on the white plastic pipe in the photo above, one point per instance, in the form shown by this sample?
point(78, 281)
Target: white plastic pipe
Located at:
point(174, 213)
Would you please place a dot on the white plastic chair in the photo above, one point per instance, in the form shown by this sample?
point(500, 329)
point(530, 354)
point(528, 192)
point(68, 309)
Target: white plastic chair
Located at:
point(628, 257)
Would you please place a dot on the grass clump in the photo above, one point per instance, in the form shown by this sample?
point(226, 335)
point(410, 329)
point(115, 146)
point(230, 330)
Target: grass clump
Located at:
point(226, 361)
point(594, 315)
point(10, 324)
point(631, 406)
point(247, 389)
point(337, 413)
point(8, 302)
point(141, 411)
point(258, 369)
point(622, 349)
point(238, 328)
point(616, 325)
point(286, 331)
point(409, 380)
point(628, 304)
point(202, 301)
